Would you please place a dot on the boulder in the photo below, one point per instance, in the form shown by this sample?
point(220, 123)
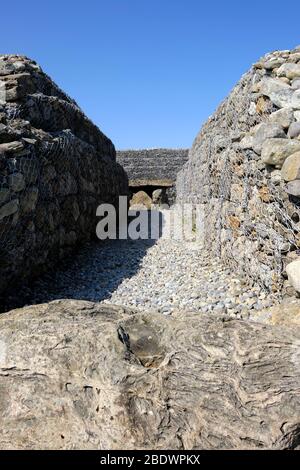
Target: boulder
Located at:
point(289, 70)
point(271, 86)
point(295, 84)
point(293, 272)
point(280, 93)
point(295, 100)
point(266, 131)
point(294, 57)
point(293, 188)
point(283, 117)
point(275, 151)
point(284, 98)
point(294, 130)
point(285, 80)
point(247, 142)
point(157, 196)
point(4, 195)
point(273, 63)
point(78, 375)
point(16, 182)
point(291, 168)
point(140, 200)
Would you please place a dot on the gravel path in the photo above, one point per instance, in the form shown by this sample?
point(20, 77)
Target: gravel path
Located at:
point(177, 275)
point(165, 275)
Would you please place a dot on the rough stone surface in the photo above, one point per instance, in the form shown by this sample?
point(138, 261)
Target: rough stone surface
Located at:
point(287, 313)
point(295, 84)
point(157, 196)
point(140, 200)
point(284, 98)
point(78, 375)
point(266, 131)
point(291, 168)
point(269, 85)
point(251, 219)
point(289, 70)
point(294, 130)
point(295, 100)
point(275, 151)
point(56, 167)
point(293, 272)
point(293, 188)
point(283, 117)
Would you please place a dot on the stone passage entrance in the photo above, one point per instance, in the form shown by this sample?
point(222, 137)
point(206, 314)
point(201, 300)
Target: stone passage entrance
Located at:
point(154, 172)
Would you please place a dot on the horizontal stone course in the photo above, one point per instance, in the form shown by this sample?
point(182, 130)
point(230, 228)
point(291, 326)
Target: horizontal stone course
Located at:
point(153, 167)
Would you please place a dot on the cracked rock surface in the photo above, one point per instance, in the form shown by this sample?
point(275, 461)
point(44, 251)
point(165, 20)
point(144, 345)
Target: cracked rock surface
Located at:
point(89, 376)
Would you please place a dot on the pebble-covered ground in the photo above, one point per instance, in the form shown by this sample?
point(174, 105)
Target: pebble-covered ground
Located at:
point(164, 275)
point(177, 275)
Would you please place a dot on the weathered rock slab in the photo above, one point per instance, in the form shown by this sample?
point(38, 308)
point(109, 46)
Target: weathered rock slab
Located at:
point(78, 375)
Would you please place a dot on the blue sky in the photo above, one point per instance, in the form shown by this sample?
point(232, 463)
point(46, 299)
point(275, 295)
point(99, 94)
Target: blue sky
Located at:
point(148, 73)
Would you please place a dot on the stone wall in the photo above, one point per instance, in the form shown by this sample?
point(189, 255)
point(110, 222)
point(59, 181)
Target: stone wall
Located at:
point(240, 168)
point(56, 167)
point(153, 167)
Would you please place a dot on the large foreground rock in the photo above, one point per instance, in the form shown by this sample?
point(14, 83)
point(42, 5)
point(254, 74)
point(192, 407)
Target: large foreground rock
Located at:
point(81, 375)
point(56, 167)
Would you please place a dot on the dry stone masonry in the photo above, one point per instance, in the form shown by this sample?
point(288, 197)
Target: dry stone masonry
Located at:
point(56, 167)
point(153, 170)
point(244, 167)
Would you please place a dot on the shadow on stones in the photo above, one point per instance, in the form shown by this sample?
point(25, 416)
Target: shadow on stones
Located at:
point(92, 273)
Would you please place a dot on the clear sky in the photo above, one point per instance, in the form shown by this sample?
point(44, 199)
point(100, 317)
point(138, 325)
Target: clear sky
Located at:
point(148, 72)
